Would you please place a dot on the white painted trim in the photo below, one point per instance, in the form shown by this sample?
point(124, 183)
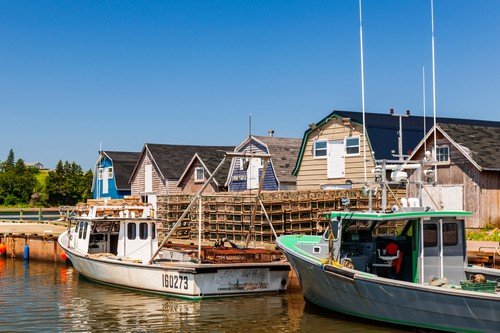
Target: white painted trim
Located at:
point(202, 179)
point(359, 146)
point(314, 149)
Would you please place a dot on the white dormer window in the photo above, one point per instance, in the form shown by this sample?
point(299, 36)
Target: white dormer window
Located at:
point(110, 172)
point(242, 161)
point(352, 145)
point(443, 154)
point(319, 148)
point(99, 173)
point(199, 174)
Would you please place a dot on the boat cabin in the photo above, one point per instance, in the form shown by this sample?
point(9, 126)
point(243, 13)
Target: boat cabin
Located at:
point(125, 236)
point(413, 247)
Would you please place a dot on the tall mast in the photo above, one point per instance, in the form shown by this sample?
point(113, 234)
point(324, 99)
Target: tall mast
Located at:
point(434, 90)
point(362, 86)
point(423, 104)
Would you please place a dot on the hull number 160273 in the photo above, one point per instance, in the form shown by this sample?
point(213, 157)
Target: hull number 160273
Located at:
point(174, 281)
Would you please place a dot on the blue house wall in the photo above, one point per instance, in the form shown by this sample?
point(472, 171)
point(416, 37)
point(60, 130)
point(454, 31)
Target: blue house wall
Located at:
point(238, 178)
point(113, 193)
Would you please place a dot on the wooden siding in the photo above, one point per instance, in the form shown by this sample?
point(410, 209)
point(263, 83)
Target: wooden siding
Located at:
point(313, 171)
point(138, 178)
point(189, 186)
point(481, 194)
point(270, 181)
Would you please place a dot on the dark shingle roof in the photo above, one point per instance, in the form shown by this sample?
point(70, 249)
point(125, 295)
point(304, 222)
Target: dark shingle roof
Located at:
point(284, 153)
point(212, 159)
point(482, 143)
point(382, 129)
point(173, 159)
point(123, 165)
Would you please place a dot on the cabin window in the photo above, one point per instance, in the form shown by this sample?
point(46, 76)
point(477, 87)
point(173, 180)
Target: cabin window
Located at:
point(143, 230)
point(320, 148)
point(352, 145)
point(99, 173)
point(81, 230)
point(85, 227)
point(450, 234)
point(430, 235)
point(76, 227)
point(110, 172)
point(131, 231)
point(199, 174)
point(443, 154)
point(115, 227)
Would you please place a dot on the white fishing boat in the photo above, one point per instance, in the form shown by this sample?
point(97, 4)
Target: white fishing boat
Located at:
point(119, 246)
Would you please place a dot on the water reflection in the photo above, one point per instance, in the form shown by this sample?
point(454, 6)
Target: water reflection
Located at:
point(52, 297)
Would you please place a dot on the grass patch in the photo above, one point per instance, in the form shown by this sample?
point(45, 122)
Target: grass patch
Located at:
point(487, 234)
point(42, 176)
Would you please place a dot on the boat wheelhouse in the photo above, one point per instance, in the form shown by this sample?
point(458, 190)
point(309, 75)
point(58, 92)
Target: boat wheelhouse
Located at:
point(406, 265)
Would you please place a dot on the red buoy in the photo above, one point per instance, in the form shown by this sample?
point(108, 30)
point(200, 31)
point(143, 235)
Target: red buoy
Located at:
point(3, 248)
point(63, 256)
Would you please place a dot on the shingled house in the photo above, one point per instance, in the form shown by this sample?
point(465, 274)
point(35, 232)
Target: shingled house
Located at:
point(332, 150)
point(245, 173)
point(200, 168)
point(468, 170)
point(112, 172)
point(160, 166)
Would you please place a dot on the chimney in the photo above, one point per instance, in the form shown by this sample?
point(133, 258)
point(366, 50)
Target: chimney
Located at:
point(271, 133)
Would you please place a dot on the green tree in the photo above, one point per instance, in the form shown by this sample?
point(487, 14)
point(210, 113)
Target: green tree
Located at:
point(68, 184)
point(17, 181)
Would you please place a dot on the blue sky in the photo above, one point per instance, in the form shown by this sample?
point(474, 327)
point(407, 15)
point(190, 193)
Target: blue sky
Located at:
point(74, 74)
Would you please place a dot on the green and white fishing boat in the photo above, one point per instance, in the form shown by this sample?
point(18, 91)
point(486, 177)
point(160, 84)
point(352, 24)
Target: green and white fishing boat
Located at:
point(406, 266)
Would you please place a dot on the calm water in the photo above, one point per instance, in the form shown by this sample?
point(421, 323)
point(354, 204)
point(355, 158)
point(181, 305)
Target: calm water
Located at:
point(38, 297)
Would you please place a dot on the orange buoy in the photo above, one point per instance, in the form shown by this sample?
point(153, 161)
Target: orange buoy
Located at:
point(3, 248)
point(64, 256)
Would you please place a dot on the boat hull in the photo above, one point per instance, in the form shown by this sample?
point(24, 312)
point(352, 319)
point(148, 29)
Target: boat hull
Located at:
point(186, 280)
point(371, 297)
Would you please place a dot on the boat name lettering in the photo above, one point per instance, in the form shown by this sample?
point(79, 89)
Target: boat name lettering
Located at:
point(174, 281)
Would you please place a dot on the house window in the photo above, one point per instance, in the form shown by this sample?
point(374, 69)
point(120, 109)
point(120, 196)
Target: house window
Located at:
point(199, 174)
point(131, 231)
point(319, 148)
point(443, 154)
point(110, 172)
point(352, 145)
point(99, 173)
point(143, 230)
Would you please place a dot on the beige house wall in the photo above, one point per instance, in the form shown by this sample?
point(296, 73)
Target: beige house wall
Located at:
point(313, 170)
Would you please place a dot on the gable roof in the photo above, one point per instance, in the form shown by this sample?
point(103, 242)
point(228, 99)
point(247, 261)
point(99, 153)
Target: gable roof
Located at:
point(123, 165)
point(479, 144)
point(382, 130)
point(171, 160)
point(284, 153)
point(210, 161)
